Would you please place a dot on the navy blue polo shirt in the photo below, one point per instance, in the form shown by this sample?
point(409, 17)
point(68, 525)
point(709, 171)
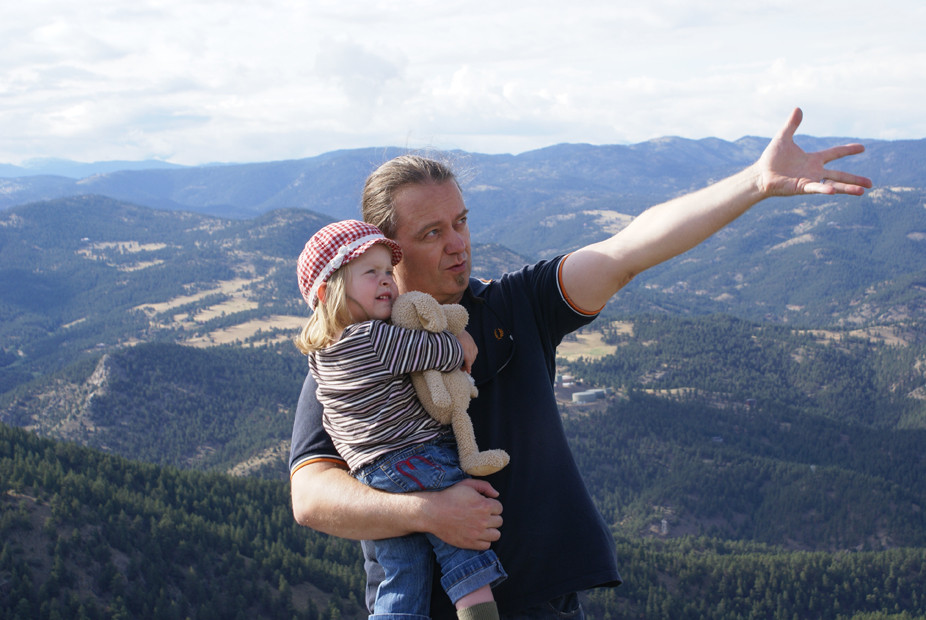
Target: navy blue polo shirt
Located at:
point(553, 541)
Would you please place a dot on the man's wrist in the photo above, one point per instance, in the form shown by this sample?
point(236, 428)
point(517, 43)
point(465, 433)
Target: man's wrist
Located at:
point(421, 511)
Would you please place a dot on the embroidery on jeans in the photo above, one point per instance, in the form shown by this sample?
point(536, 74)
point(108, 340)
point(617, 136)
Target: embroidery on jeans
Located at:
point(401, 466)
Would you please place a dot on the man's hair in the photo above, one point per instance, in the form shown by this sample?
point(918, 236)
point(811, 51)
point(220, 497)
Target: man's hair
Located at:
point(378, 202)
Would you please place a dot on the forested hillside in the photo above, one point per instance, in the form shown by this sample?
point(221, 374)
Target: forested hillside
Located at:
point(874, 376)
point(806, 439)
point(669, 469)
point(705, 578)
point(86, 274)
point(733, 486)
point(87, 536)
point(225, 408)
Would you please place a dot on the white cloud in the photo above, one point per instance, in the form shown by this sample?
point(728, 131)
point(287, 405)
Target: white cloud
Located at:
point(198, 81)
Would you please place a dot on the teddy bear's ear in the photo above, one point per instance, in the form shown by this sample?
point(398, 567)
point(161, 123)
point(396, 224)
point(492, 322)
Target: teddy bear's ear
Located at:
point(457, 317)
point(429, 312)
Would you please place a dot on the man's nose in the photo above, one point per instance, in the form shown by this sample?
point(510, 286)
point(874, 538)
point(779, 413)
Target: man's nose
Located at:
point(456, 243)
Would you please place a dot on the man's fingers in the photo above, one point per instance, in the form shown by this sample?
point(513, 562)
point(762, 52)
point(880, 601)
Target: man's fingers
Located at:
point(832, 184)
point(794, 121)
point(838, 152)
point(844, 182)
point(483, 487)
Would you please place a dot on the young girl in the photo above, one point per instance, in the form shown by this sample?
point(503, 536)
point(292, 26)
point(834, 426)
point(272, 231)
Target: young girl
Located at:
point(361, 364)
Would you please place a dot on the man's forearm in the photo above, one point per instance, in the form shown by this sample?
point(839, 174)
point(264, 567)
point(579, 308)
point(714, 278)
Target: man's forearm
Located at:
point(326, 498)
point(595, 273)
point(674, 227)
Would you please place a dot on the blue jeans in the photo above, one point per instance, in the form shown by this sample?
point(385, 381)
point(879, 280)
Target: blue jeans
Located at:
point(408, 560)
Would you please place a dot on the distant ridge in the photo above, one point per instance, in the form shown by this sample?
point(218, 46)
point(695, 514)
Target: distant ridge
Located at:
point(615, 175)
point(78, 170)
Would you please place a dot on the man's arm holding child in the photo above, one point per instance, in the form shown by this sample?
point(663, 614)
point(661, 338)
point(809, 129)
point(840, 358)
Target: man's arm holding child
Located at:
point(326, 498)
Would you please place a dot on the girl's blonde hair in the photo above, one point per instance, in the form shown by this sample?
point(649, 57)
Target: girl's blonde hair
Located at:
point(330, 317)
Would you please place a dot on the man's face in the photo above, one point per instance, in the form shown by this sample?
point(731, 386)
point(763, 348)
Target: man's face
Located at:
point(434, 234)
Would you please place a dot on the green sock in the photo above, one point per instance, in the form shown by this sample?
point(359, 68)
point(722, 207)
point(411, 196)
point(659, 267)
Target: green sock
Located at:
point(479, 611)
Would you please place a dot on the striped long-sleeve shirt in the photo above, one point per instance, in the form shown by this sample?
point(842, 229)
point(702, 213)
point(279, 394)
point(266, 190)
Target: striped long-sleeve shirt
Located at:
point(370, 404)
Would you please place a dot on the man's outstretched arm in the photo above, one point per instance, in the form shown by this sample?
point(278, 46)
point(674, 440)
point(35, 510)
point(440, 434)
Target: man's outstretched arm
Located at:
point(594, 273)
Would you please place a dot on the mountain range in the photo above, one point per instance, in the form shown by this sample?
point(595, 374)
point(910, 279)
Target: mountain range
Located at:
point(811, 260)
point(508, 195)
point(205, 256)
point(766, 388)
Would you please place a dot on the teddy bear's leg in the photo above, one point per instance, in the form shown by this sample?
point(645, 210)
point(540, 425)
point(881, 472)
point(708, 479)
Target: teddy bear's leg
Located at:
point(438, 391)
point(474, 462)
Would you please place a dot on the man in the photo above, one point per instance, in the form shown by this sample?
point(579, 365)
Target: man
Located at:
point(554, 543)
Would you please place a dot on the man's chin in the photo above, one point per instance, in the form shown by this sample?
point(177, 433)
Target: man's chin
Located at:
point(455, 289)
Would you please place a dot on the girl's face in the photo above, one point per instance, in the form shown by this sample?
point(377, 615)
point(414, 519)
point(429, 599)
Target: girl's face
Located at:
point(371, 288)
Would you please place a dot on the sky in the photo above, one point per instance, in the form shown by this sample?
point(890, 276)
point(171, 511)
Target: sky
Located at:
point(205, 81)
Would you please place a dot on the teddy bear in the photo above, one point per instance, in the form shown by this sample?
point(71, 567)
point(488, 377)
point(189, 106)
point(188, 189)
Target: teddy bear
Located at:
point(446, 395)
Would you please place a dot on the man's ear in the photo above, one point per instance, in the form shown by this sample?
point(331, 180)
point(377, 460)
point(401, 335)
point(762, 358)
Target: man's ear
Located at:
point(322, 292)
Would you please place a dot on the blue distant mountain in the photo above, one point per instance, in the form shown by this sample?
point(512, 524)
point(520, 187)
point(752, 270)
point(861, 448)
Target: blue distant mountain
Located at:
point(49, 166)
point(537, 203)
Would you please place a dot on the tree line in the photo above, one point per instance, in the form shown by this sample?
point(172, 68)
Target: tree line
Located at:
point(89, 535)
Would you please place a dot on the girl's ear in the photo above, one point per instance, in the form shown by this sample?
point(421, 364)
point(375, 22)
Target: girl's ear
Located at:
point(322, 291)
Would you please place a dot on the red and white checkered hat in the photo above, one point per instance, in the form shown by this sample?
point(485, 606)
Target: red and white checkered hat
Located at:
point(334, 246)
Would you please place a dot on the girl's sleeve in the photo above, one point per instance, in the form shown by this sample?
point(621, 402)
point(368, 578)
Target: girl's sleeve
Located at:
point(413, 350)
